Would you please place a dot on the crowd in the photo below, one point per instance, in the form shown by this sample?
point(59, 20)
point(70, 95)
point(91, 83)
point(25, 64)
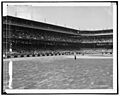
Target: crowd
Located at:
point(44, 36)
point(45, 52)
point(51, 36)
point(97, 40)
point(96, 51)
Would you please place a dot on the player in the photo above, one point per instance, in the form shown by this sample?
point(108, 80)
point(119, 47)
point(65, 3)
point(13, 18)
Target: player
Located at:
point(75, 55)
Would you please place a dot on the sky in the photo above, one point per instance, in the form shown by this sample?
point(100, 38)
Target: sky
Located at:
point(77, 17)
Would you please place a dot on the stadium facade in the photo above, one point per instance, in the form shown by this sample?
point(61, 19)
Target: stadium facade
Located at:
point(22, 37)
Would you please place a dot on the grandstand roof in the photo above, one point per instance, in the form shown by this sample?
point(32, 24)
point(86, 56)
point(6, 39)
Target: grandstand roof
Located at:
point(36, 25)
point(50, 27)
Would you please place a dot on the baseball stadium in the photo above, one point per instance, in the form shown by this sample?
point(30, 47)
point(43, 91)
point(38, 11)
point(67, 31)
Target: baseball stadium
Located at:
point(48, 56)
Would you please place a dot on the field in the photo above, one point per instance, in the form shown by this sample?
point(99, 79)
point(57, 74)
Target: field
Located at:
point(60, 72)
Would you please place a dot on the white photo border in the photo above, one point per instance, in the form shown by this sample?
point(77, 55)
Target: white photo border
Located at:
point(78, 91)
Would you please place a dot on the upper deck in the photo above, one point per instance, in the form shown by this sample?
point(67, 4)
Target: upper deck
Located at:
point(35, 25)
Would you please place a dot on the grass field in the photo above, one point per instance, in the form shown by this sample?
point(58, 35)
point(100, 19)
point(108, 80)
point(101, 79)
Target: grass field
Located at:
point(59, 72)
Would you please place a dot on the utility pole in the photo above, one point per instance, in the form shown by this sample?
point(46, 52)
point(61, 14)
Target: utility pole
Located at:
point(16, 12)
point(31, 12)
point(44, 19)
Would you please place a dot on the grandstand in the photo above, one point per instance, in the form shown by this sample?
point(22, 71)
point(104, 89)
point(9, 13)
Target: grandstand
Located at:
point(32, 38)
